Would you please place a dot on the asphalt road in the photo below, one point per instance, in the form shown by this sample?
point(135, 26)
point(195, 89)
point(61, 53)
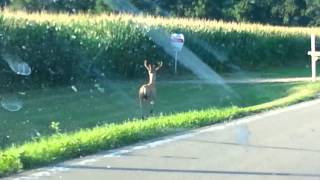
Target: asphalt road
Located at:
point(280, 144)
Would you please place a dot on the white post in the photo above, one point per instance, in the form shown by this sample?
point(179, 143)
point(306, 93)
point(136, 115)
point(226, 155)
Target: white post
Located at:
point(314, 68)
point(176, 63)
point(314, 58)
point(177, 41)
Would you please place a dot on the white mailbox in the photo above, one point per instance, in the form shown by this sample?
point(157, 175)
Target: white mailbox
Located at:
point(176, 41)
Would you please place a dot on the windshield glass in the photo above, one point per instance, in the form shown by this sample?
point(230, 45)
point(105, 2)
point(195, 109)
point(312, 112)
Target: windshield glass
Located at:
point(69, 67)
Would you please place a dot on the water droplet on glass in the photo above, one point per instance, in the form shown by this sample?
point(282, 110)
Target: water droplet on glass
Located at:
point(22, 93)
point(17, 65)
point(37, 133)
point(99, 88)
point(11, 104)
point(296, 18)
point(242, 134)
point(74, 88)
point(25, 122)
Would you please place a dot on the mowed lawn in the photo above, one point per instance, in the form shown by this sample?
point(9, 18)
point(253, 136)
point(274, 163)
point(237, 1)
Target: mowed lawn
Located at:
point(76, 107)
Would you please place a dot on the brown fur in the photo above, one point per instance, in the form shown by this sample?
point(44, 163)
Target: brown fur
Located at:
point(147, 92)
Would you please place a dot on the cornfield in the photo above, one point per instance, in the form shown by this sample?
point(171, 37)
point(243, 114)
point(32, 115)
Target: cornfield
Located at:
point(62, 48)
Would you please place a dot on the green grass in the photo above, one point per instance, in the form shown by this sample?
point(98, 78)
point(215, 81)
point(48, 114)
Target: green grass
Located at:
point(295, 70)
point(290, 71)
point(47, 150)
point(88, 107)
point(300, 70)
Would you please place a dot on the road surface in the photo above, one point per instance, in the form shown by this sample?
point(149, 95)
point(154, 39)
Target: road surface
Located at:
point(276, 145)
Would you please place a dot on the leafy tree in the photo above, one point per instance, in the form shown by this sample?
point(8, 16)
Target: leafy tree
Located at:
point(242, 10)
point(53, 5)
point(287, 12)
point(277, 12)
point(313, 14)
point(101, 6)
point(293, 10)
point(251, 11)
point(4, 3)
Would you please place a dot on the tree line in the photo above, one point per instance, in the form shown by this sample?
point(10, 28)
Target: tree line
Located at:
point(274, 12)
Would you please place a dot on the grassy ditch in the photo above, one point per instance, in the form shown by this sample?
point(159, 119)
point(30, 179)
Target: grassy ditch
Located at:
point(91, 106)
point(61, 147)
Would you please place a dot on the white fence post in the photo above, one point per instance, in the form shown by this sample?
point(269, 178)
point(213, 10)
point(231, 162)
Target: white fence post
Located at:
point(314, 57)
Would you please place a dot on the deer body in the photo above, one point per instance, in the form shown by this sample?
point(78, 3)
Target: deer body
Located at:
point(147, 92)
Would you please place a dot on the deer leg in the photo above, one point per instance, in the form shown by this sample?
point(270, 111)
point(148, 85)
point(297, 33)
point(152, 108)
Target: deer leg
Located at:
point(144, 107)
point(152, 100)
point(151, 106)
point(141, 110)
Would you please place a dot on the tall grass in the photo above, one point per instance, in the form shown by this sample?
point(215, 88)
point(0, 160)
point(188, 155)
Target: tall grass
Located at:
point(63, 48)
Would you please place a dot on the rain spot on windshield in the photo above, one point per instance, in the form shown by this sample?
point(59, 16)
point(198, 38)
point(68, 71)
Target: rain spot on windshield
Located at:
point(17, 65)
point(11, 104)
point(99, 88)
point(242, 134)
point(74, 88)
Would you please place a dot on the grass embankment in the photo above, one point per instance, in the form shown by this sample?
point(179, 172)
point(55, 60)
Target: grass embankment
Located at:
point(89, 107)
point(65, 146)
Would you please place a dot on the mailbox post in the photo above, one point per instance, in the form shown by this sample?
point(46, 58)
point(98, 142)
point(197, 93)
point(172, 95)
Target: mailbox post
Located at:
point(177, 41)
point(314, 57)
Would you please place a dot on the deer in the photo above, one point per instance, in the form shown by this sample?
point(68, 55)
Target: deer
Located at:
point(147, 92)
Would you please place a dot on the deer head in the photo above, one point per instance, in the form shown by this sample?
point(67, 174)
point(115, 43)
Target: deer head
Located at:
point(152, 69)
